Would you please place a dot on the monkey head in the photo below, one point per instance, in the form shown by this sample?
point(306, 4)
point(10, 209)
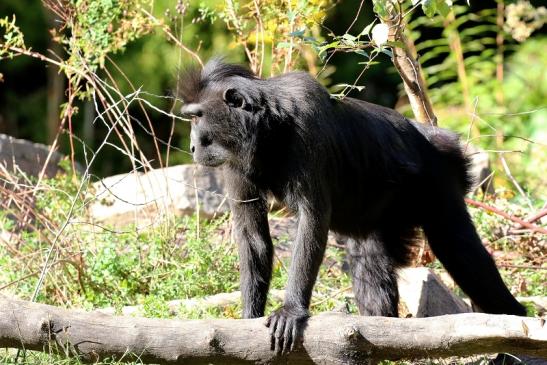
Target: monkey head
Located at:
point(215, 129)
point(218, 101)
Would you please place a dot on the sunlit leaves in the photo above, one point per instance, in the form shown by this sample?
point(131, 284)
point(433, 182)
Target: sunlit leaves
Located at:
point(10, 37)
point(432, 7)
point(429, 7)
point(273, 33)
point(100, 27)
point(382, 8)
point(385, 9)
point(366, 30)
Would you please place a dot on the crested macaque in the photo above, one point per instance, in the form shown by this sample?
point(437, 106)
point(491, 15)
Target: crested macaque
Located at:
point(358, 169)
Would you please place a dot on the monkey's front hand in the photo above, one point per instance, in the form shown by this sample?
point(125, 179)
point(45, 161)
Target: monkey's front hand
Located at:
point(286, 327)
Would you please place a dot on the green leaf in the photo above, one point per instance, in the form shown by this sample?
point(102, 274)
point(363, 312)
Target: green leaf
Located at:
point(388, 52)
point(397, 44)
point(367, 29)
point(291, 15)
point(361, 52)
point(368, 63)
point(349, 37)
point(443, 8)
point(324, 48)
point(429, 7)
point(339, 87)
point(297, 33)
point(381, 8)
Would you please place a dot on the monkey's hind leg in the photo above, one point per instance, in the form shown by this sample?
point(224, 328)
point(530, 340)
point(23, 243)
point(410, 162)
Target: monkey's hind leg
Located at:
point(373, 276)
point(455, 242)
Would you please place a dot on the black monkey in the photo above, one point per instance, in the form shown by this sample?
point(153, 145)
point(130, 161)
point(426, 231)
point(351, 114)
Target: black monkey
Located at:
point(349, 166)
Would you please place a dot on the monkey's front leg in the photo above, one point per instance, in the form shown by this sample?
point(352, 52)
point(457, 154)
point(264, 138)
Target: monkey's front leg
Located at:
point(287, 323)
point(255, 260)
point(252, 234)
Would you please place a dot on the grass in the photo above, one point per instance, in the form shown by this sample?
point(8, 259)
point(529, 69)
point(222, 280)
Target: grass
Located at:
point(96, 267)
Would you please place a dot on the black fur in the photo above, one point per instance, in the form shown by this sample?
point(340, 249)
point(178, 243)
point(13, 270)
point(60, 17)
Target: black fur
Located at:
point(346, 165)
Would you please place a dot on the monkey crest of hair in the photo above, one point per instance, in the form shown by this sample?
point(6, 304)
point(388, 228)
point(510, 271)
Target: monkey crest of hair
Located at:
point(194, 79)
point(356, 168)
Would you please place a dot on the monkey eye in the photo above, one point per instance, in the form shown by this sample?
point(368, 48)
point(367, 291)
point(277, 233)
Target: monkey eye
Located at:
point(234, 99)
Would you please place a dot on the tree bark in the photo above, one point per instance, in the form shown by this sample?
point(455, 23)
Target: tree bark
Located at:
point(413, 81)
point(329, 338)
point(406, 62)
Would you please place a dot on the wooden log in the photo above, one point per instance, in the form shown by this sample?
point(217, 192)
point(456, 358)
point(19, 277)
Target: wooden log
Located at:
point(329, 337)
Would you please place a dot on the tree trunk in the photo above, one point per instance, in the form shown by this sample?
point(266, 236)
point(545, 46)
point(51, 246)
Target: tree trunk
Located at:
point(329, 338)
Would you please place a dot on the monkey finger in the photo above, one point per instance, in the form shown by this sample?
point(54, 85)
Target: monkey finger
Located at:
point(279, 340)
point(295, 337)
point(287, 336)
point(280, 343)
point(273, 327)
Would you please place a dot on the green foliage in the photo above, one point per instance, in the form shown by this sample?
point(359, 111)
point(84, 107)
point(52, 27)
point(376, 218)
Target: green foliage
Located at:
point(462, 69)
point(388, 8)
point(98, 267)
point(99, 27)
point(273, 33)
point(432, 7)
point(10, 37)
point(104, 267)
point(128, 268)
point(383, 8)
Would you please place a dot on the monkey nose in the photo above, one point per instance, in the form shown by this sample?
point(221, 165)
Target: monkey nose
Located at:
point(192, 110)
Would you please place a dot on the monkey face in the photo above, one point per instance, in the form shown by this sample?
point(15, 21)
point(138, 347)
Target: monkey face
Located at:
point(215, 137)
point(204, 137)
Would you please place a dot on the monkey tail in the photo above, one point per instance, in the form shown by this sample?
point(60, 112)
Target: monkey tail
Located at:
point(451, 154)
point(454, 157)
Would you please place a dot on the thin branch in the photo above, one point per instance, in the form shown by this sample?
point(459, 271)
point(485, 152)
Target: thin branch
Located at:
point(492, 209)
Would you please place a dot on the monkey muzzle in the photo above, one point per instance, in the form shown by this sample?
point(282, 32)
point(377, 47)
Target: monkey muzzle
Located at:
point(192, 110)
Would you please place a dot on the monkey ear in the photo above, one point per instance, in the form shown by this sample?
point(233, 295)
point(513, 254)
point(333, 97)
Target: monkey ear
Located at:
point(233, 98)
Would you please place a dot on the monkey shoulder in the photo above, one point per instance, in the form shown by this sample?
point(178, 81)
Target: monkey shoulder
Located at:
point(298, 84)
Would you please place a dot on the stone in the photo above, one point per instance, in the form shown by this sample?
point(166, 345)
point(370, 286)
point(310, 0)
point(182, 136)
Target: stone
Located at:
point(143, 199)
point(423, 294)
point(480, 169)
point(19, 155)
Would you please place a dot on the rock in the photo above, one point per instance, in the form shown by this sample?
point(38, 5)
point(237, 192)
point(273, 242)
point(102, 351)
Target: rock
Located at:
point(480, 169)
point(424, 294)
point(20, 155)
point(146, 198)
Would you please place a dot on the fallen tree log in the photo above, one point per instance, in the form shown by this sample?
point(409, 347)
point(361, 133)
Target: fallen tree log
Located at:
point(329, 337)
